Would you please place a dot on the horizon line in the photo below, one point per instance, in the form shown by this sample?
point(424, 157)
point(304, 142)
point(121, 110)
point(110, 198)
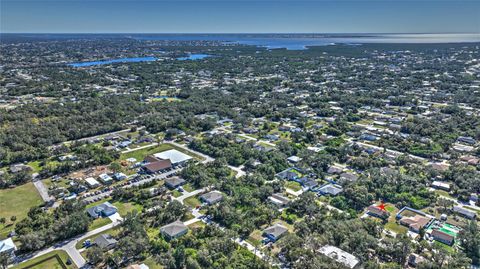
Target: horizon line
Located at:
point(242, 33)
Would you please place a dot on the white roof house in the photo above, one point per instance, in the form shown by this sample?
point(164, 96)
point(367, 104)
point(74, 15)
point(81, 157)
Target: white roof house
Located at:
point(92, 182)
point(174, 155)
point(294, 159)
point(7, 246)
point(339, 255)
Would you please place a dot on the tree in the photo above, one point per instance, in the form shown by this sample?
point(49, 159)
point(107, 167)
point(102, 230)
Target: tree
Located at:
point(470, 241)
point(4, 257)
point(95, 255)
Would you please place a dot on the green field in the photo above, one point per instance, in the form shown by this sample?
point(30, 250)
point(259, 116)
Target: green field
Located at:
point(140, 154)
point(97, 223)
point(192, 201)
point(396, 228)
point(47, 261)
point(124, 208)
point(17, 202)
point(295, 186)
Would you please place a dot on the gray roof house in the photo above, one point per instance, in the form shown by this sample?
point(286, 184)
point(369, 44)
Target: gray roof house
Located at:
point(103, 210)
point(275, 232)
point(330, 189)
point(174, 230)
point(105, 241)
point(464, 212)
point(211, 197)
point(279, 200)
point(174, 182)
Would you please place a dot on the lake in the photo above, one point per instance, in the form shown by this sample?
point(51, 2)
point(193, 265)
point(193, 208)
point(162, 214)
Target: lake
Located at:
point(194, 56)
point(112, 61)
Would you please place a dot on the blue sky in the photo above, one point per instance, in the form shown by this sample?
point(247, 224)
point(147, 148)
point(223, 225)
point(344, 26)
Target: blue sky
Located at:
point(245, 16)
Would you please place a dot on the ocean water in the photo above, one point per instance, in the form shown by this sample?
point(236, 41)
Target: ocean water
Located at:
point(121, 60)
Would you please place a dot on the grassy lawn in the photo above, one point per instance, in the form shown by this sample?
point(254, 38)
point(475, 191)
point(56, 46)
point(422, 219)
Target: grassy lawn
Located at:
point(443, 193)
point(295, 186)
point(192, 201)
point(140, 154)
point(197, 224)
point(50, 261)
point(176, 193)
point(35, 166)
point(472, 209)
point(152, 264)
point(124, 208)
point(112, 231)
point(396, 228)
point(188, 187)
point(255, 238)
point(187, 216)
point(99, 223)
point(390, 208)
point(23, 198)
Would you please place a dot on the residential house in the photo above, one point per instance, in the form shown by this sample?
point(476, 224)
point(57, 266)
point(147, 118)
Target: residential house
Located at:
point(339, 256)
point(376, 211)
point(279, 200)
point(443, 237)
point(105, 241)
point(347, 177)
point(441, 185)
point(174, 182)
point(174, 230)
point(92, 183)
point(105, 179)
point(294, 159)
point(330, 189)
point(103, 210)
point(211, 197)
point(8, 248)
point(275, 232)
point(464, 212)
point(415, 259)
point(415, 223)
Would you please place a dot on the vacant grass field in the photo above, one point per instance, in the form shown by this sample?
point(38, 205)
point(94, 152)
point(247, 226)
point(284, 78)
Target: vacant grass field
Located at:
point(97, 223)
point(50, 261)
point(192, 201)
point(140, 154)
point(295, 186)
point(124, 208)
point(396, 228)
point(255, 238)
point(197, 224)
point(17, 202)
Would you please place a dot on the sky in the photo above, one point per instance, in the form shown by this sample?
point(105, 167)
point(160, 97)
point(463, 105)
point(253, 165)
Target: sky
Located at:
point(240, 16)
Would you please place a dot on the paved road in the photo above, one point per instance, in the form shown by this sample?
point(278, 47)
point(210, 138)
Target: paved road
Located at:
point(69, 246)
